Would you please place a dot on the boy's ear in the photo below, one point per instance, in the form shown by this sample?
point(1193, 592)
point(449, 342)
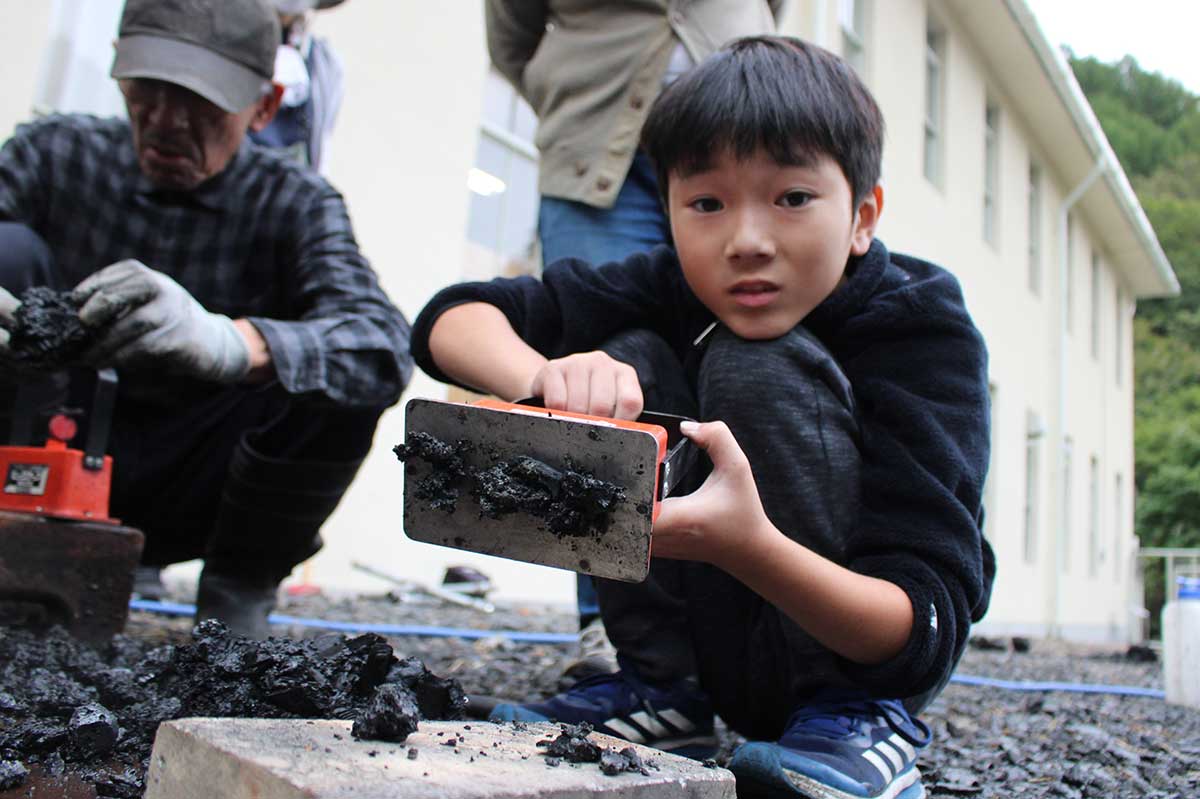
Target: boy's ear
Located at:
point(866, 219)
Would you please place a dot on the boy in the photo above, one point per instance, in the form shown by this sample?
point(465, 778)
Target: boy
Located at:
point(832, 562)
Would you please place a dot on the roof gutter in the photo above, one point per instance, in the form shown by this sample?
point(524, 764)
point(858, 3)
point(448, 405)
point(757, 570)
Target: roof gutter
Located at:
point(1063, 80)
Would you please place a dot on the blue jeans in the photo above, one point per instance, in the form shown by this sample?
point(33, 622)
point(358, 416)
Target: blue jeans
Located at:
point(637, 222)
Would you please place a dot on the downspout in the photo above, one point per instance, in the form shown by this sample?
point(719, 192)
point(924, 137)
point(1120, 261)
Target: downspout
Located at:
point(821, 23)
point(1102, 164)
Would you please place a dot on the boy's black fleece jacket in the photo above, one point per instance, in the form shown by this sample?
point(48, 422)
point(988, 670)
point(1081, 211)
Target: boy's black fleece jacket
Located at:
point(900, 330)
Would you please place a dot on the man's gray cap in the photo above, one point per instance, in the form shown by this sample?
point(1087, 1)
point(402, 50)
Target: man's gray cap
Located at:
point(300, 6)
point(223, 50)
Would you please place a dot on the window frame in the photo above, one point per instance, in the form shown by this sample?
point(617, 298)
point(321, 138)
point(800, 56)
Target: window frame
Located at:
point(853, 20)
point(1034, 231)
point(1095, 306)
point(515, 147)
point(1034, 433)
point(934, 118)
point(991, 173)
point(1095, 542)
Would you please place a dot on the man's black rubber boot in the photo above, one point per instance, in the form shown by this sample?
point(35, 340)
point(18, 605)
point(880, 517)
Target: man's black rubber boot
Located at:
point(243, 606)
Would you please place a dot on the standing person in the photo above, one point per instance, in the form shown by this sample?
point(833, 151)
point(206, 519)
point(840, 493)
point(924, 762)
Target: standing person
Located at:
point(819, 587)
point(312, 78)
point(255, 347)
point(591, 73)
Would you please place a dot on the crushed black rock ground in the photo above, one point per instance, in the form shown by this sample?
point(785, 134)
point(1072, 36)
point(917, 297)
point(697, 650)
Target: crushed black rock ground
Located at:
point(570, 500)
point(988, 742)
point(65, 707)
point(47, 333)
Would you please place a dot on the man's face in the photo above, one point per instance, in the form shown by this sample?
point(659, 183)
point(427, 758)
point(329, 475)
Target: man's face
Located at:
point(181, 138)
point(761, 243)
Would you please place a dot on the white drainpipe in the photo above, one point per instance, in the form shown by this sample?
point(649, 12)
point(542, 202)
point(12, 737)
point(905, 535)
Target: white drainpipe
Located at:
point(1064, 270)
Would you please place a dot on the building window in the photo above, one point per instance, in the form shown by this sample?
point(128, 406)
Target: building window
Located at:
point(991, 172)
point(1118, 524)
point(1095, 286)
point(1119, 336)
point(935, 47)
point(852, 16)
point(989, 485)
point(1033, 443)
point(502, 184)
point(1095, 543)
point(1069, 275)
point(1035, 229)
point(1064, 541)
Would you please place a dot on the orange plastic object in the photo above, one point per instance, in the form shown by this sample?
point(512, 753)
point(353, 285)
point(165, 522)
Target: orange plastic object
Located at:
point(658, 431)
point(52, 481)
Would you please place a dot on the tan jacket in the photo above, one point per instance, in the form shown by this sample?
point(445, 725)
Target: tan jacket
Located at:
point(591, 69)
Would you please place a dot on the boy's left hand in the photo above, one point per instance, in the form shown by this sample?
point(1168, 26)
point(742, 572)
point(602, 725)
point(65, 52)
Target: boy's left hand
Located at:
point(717, 522)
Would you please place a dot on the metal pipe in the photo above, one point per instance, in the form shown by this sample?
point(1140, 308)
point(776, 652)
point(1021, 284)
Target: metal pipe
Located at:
point(432, 590)
point(1064, 272)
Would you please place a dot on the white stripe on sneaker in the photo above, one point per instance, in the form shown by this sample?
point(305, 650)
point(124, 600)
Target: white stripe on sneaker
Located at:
point(891, 754)
point(649, 724)
point(877, 761)
point(904, 746)
point(624, 730)
point(677, 720)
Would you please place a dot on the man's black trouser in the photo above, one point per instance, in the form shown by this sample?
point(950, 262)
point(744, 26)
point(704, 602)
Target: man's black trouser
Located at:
point(243, 477)
point(792, 411)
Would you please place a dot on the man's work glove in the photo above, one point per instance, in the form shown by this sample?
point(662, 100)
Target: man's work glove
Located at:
point(8, 318)
point(144, 318)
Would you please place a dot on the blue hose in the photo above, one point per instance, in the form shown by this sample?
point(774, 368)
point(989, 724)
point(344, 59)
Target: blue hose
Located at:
point(178, 609)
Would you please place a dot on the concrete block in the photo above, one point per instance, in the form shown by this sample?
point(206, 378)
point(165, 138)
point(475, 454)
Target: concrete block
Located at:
point(287, 759)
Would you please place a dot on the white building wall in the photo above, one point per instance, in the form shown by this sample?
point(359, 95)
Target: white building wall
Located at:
point(406, 140)
point(23, 37)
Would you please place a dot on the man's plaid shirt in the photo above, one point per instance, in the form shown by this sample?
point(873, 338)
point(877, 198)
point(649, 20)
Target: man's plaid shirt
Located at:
point(264, 240)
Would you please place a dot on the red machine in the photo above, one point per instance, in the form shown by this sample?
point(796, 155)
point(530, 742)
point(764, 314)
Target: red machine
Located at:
point(63, 560)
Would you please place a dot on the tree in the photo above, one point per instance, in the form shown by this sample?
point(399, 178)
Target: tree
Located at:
point(1153, 124)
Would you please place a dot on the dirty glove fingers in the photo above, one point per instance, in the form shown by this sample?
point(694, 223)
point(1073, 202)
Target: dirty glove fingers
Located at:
point(8, 308)
point(119, 335)
point(114, 291)
point(106, 278)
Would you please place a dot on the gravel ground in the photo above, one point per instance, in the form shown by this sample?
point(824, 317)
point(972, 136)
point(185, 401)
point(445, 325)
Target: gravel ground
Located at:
point(988, 742)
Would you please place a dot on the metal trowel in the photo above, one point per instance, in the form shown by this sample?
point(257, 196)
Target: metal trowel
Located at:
point(519, 481)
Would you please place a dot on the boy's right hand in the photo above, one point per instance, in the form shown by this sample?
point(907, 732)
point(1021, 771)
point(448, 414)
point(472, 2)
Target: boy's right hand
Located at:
point(589, 382)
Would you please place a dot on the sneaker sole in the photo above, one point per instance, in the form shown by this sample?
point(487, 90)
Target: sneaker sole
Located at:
point(762, 776)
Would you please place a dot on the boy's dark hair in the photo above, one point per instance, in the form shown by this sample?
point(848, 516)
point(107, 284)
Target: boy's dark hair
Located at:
point(792, 99)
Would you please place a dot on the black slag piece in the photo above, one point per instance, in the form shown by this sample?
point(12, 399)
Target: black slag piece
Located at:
point(571, 501)
point(47, 333)
point(12, 774)
point(440, 488)
point(572, 744)
point(391, 715)
point(613, 762)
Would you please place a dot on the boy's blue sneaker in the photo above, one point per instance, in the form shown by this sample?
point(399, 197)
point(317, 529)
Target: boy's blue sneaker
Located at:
point(863, 749)
point(678, 719)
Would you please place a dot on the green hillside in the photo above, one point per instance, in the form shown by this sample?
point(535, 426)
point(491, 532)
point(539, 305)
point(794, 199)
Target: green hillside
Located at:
point(1153, 123)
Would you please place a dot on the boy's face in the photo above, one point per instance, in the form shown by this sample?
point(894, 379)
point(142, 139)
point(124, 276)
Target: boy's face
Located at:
point(761, 243)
